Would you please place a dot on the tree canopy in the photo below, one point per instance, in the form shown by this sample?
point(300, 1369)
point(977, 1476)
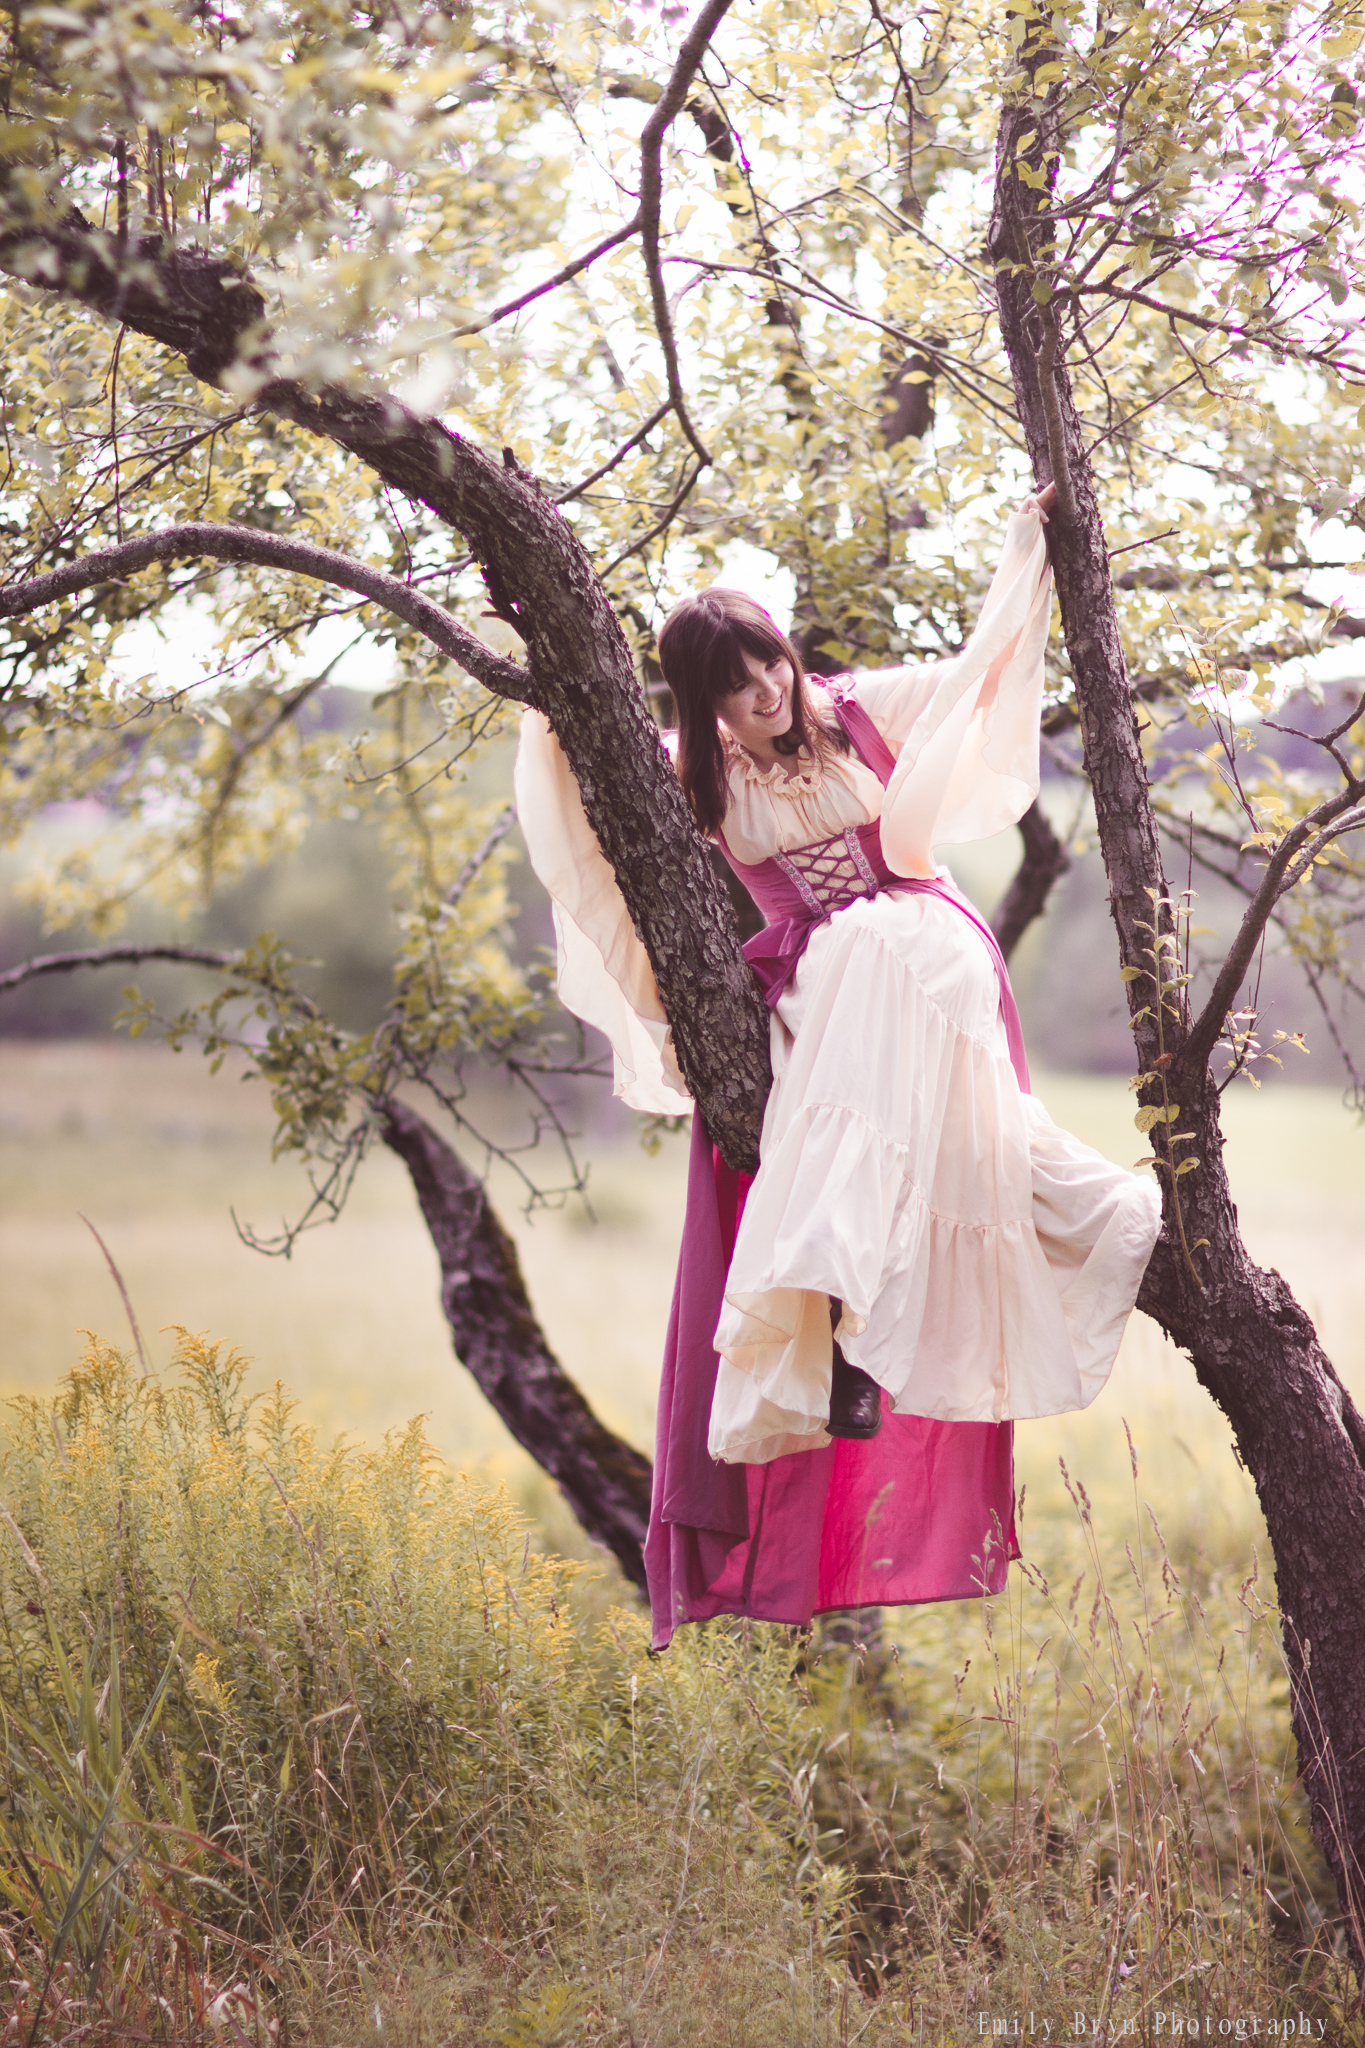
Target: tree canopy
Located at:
point(789, 342)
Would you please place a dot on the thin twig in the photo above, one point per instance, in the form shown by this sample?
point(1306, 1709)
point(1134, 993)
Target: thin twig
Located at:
point(1287, 865)
point(113, 429)
point(1150, 541)
point(1258, 337)
point(651, 197)
point(247, 545)
point(680, 496)
point(114, 956)
point(570, 270)
point(567, 497)
point(949, 366)
point(503, 825)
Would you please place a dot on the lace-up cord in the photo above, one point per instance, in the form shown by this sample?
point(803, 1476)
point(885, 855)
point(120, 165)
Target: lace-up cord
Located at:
point(830, 872)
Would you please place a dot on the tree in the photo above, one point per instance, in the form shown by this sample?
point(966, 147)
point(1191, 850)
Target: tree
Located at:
point(1100, 242)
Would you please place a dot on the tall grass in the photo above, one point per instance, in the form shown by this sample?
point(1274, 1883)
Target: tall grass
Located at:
point(389, 1729)
point(1081, 1798)
point(309, 1742)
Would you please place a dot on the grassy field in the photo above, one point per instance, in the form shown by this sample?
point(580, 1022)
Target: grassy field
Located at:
point(158, 1154)
point(1078, 1797)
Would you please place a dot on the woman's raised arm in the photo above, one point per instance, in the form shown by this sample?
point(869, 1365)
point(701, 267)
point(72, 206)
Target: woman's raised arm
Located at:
point(966, 729)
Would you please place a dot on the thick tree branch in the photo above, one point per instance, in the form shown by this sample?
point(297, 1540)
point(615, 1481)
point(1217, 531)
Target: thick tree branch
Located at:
point(605, 1480)
point(115, 956)
point(1104, 697)
point(1048, 358)
point(651, 198)
point(1253, 1348)
point(245, 545)
point(1290, 861)
point(1045, 861)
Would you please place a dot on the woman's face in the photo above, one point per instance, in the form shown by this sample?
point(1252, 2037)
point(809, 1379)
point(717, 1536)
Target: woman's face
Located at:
point(760, 710)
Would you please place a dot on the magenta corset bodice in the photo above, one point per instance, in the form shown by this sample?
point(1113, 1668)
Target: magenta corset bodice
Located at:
point(799, 888)
point(815, 881)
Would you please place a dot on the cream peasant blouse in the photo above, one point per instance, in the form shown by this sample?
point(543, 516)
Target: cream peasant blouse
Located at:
point(965, 734)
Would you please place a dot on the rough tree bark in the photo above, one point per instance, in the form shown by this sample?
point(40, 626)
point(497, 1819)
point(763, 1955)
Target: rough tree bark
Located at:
point(1295, 1427)
point(604, 1479)
point(1045, 861)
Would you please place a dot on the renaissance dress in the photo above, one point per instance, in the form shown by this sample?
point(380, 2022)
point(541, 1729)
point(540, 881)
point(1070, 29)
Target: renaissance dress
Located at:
point(986, 1261)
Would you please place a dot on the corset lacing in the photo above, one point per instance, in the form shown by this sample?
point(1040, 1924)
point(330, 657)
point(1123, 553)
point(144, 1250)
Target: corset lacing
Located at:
point(829, 873)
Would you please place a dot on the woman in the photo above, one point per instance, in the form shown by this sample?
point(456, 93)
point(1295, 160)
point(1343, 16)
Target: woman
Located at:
point(923, 1257)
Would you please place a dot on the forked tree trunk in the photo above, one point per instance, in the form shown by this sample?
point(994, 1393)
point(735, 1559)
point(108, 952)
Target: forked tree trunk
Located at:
point(1295, 1427)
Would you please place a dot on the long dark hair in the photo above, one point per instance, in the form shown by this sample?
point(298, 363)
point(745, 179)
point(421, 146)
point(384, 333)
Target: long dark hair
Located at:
point(702, 645)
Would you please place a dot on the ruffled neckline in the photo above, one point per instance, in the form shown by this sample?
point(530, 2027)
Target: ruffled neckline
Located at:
point(776, 779)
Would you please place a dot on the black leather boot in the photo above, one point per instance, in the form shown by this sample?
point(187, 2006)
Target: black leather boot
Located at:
point(855, 1401)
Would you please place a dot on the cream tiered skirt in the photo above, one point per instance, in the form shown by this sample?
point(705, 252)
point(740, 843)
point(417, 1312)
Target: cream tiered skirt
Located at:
point(986, 1260)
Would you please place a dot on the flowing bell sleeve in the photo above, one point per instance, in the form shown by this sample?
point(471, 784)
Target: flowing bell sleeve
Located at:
point(604, 972)
point(967, 763)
